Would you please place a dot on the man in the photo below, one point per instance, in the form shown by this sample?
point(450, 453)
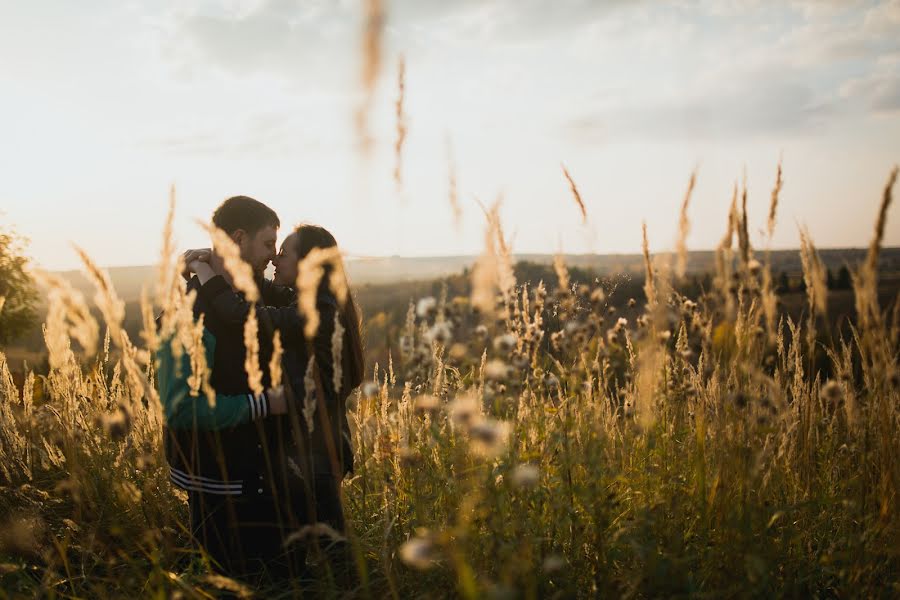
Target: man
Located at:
point(230, 457)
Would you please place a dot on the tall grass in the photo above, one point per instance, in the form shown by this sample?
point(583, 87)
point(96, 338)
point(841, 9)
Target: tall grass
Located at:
point(521, 446)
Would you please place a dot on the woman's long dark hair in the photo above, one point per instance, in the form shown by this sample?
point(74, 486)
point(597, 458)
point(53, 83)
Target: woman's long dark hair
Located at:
point(313, 236)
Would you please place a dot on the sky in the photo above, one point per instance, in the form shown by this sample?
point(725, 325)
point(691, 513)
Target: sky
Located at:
point(107, 103)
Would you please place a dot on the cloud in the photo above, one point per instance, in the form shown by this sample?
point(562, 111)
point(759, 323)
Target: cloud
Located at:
point(750, 110)
point(297, 42)
point(878, 90)
point(266, 135)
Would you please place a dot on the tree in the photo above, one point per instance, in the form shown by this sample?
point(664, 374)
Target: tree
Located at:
point(843, 279)
point(18, 294)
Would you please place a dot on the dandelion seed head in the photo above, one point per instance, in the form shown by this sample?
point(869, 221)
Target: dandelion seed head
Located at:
point(426, 307)
point(525, 476)
point(370, 389)
point(832, 392)
point(506, 343)
point(419, 553)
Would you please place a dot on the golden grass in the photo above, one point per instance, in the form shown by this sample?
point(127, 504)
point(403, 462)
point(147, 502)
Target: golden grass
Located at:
point(527, 448)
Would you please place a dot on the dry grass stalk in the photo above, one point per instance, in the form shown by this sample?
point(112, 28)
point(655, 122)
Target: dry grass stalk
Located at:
point(813, 274)
point(562, 273)
point(649, 281)
point(373, 28)
point(401, 121)
point(684, 227)
point(743, 228)
point(486, 271)
point(773, 205)
point(166, 273)
point(309, 396)
point(251, 360)
point(575, 194)
point(453, 192)
point(80, 324)
point(148, 331)
point(241, 273)
point(309, 275)
point(337, 353)
point(275, 362)
point(200, 372)
point(866, 281)
point(111, 307)
point(2, 302)
point(506, 278)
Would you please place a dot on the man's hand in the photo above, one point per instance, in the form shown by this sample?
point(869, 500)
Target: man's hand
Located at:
point(277, 401)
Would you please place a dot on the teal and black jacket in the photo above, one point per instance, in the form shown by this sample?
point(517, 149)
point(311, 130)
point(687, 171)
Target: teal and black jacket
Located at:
point(236, 447)
point(218, 448)
point(182, 410)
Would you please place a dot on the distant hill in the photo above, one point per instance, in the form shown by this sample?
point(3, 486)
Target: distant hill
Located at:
point(128, 281)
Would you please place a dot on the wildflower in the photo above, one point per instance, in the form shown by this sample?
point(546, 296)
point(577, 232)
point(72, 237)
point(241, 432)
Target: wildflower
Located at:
point(440, 333)
point(116, 424)
point(497, 370)
point(463, 410)
point(427, 403)
point(520, 361)
point(419, 553)
point(458, 351)
point(832, 392)
point(754, 266)
point(525, 476)
point(489, 437)
point(426, 307)
point(506, 342)
point(370, 389)
point(553, 564)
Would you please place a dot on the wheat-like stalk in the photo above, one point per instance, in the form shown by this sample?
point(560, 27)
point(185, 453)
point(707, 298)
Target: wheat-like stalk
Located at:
point(106, 299)
point(452, 186)
point(80, 323)
point(684, 227)
point(309, 274)
point(337, 353)
point(275, 361)
point(649, 281)
point(813, 274)
point(166, 273)
point(241, 272)
point(251, 360)
point(309, 398)
point(401, 121)
point(773, 205)
point(373, 28)
point(575, 194)
point(485, 272)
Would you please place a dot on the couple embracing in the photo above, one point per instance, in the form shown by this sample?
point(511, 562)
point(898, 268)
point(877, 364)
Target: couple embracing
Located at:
point(255, 469)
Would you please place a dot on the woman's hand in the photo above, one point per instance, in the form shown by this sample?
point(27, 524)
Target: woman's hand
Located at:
point(191, 255)
point(202, 269)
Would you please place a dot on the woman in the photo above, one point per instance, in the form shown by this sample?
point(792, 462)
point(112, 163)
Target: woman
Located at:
point(317, 446)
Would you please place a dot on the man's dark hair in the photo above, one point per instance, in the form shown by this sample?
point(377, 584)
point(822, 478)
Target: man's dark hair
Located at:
point(243, 212)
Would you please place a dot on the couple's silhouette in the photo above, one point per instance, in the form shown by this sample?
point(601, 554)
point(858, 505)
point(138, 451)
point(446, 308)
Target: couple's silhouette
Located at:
point(263, 470)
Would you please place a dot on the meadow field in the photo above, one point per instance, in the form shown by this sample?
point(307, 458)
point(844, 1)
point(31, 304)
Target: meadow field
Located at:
point(516, 438)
